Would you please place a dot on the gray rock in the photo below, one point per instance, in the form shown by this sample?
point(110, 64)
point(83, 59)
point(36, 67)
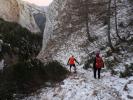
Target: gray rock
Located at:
point(40, 20)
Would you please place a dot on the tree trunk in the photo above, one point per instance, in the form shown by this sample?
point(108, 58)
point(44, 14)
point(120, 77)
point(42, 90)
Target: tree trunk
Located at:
point(108, 34)
point(87, 27)
point(116, 23)
point(87, 20)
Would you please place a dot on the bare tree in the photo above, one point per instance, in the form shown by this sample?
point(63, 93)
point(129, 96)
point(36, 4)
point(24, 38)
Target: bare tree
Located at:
point(87, 19)
point(116, 23)
point(87, 8)
point(77, 14)
point(108, 33)
point(81, 10)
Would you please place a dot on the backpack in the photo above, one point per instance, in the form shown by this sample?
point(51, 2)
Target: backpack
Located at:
point(71, 60)
point(99, 62)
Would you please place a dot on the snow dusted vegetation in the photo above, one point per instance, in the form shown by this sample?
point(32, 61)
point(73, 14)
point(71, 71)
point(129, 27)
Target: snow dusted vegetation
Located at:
point(82, 86)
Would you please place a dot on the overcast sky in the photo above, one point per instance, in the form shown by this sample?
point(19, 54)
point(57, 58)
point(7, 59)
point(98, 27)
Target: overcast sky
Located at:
point(40, 2)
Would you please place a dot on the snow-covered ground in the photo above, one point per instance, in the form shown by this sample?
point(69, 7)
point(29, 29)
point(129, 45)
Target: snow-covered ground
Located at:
point(82, 86)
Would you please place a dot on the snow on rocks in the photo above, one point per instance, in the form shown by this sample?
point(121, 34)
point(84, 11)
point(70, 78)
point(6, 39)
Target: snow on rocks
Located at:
point(130, 90)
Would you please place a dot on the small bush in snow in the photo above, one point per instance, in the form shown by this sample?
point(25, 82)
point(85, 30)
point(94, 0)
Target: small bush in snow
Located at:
point(131, 1)
point(55, 71)
point(110, 63)
point(113, 72)
point(128, 71)
point(89, 63)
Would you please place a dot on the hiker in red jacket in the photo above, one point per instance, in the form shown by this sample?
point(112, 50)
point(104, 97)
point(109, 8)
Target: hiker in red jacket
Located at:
point(97, 65)
point(71, 62)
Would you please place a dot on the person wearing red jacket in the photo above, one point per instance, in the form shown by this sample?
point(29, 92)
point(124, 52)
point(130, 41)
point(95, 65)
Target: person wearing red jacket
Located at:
point(71, 62)
point(97, 65)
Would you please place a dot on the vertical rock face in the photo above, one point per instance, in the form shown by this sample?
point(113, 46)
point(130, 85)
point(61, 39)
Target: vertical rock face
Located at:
point(29, 20)
point(40, 21)
point(27, 15)
point(9, 10)
point(51, 13)
point(60, 41)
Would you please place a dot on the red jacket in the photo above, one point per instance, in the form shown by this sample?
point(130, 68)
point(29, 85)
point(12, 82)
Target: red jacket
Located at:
point(98, 63)
point(72, 61)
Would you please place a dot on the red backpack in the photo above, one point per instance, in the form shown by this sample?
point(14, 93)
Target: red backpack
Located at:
point(99, 62)
point(71, 60)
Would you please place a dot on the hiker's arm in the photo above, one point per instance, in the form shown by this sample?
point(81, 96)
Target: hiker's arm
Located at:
point(76, 61)
point(68, 62)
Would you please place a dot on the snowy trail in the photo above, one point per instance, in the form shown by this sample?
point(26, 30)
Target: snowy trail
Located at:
point(82, 86)
point(98, 89)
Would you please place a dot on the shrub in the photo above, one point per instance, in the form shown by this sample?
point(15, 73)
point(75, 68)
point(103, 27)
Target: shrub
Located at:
point(28, 76)
point(113, 72)
point(131, 22)
point(88, 63)
point(131, 1)
point(23, 74)
point(128, 71)
point(55, 71)
point(28, 44)
point(110, 63)
point(23, 77)
point(122, 25)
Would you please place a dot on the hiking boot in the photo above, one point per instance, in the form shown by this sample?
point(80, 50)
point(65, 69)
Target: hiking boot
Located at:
point(95, 77)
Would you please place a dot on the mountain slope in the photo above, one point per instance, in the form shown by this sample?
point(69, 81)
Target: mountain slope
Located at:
point(66, 35)
point(65, 32)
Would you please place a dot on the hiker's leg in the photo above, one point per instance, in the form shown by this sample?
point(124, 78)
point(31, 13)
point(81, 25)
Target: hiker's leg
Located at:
point(70, 67)
point(99, 70)
point(95, 70)
point(74, 68)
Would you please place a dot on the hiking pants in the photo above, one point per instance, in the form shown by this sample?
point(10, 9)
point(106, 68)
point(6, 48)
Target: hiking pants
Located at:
point(95, 72)
point(72, 65)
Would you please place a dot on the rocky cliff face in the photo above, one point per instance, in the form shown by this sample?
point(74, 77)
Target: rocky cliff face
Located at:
point(27, 15)
point(9, 10)
point(65, 34)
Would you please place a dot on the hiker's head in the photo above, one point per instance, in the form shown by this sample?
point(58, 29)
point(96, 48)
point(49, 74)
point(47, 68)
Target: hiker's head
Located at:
point(72, 55)
point(97, 54)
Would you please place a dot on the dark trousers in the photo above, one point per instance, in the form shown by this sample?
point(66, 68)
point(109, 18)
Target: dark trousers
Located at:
point(72, 65)
point(95, 72)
